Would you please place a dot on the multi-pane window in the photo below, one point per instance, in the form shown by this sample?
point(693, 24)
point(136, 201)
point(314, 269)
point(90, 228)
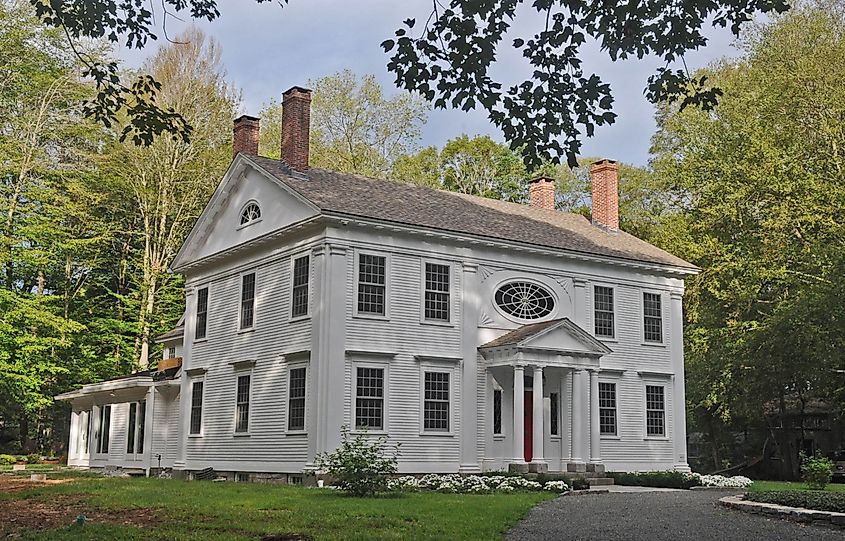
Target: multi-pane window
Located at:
point(196, 407)
point(497, 411)
point(247, 300)
point(171, 352)
point(436, 402)
point(437, 292)
point(655, 410)
point(371, 284)
point(142, 419)
point(202, 313)
point(299, 289)
point(250, 213)
point(652, 318)
point(369, 399)
point(604, 311)
point(104, 429)
point(296, 399)
point(242, 404)
point(554, 415)
point(607, 409)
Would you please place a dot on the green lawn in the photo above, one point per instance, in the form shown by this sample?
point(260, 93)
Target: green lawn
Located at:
point(179, 510)
point(761, 486)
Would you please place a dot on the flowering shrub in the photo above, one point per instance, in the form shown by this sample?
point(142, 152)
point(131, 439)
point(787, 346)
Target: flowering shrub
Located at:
point(472, 484)
point(361, 466)
point(737, 481)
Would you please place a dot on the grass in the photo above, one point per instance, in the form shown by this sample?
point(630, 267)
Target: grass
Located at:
point(765, 486)
point(240, 511)
point(33, 467)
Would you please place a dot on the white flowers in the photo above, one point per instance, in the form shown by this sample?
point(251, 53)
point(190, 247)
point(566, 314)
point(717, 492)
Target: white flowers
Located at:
point(473, 484)
point(720, 481)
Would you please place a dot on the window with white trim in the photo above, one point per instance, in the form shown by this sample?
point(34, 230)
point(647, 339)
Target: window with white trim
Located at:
point(554, 414)
point(171, 352)
point(655, 410)
point(607, 408)
point(437, 289)
point(369, 398)
point(202, 313)
point(242, 403)
point(299, 286)
point(372, 284)
point(603, 304)
point(652, 317)
point(524, 300)
point(436, 402)
point(104, 429)
point(135, 427)
point(296, 398)
point(196, 408)
point(497, 411)
point(250, 213)
point(247, 300)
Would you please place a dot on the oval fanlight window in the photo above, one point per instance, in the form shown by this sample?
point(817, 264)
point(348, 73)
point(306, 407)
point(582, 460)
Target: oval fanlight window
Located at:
point(524, 300)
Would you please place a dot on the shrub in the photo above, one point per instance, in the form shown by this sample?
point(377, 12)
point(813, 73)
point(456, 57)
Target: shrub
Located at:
point(5, 460)
point(580, 483)
point(658, 479)
point(361, 465)
point(816, 471)
point(33, 458)
point(808, 499)
point(475, 484)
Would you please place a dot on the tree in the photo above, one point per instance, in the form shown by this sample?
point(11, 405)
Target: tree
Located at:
point(757, 204)
point(354, 127)
point(171, 180)
point(451, 62)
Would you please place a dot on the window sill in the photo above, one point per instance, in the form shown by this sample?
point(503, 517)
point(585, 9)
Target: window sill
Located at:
point(253, 222)
point(247, 330)
point(554, 437)
point(200, 340)
point(610, 437)
point(436, 323)
point(296, 433)
point(607, 339)
point(437, 434)
point(376, 317)
point(653, 344)
point(299, 318)
point(195, 436)
point(380, 432)
point(498, 437)
point(241, 434)
point(656, 438)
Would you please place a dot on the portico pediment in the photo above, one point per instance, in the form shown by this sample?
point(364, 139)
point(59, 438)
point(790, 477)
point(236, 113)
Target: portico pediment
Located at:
point(558, 341)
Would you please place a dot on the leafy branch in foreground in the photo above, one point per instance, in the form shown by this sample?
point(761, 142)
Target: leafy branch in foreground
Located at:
point(450, 62)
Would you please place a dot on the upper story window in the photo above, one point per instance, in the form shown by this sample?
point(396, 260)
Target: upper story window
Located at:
point(652, 318)
point(299, 288)
point(524, 300)
point(372, 280)
point(247, 300)
point(437, 292)
point(250, 213)
point(604, 324)
point(202, 313)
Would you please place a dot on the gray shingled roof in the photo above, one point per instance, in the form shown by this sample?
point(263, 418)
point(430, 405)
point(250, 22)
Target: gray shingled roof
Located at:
point(405, 203)
point(524, 333)
point(172, 334)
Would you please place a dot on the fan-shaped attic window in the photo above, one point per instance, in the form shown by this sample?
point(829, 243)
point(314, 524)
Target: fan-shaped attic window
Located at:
point(524, 300)
point(250, 213)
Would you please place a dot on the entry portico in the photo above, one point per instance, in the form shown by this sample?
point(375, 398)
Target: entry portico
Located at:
point(541, 361)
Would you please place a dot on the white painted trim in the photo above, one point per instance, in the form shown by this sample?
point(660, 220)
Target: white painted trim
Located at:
point(452, 297)
point(661, 295)
point(614, 288)
point(387, 280)
point(615, 383)
point(447, 368)
point(246, 371)
point(385, 413)
point(196, 289)
point(661, 437)
point(190, 399)
point(240, 225)
point(241, 275)
point(513, 277)
point(306, 253)
point(294, 366)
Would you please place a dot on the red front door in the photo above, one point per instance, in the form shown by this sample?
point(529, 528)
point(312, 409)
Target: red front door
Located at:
point(528, 423)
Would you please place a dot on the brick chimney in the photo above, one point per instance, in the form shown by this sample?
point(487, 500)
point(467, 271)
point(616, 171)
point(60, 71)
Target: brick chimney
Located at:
point(245, 135)
point(604, 175)
point(542, 191)
point(296, 127)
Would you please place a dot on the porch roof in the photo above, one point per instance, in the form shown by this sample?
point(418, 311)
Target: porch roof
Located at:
point(556, 335)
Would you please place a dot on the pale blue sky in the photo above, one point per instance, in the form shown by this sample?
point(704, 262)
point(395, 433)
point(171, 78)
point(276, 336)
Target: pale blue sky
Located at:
point(268, 48)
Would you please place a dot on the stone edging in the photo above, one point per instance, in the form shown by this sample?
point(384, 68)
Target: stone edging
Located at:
point(798, 514)
point(585, 491)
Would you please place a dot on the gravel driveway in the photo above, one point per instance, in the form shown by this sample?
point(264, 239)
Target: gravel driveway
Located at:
point(656, 516)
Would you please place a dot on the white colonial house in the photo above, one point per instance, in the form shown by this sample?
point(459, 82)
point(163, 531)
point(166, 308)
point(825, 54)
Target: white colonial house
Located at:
point(479, 334)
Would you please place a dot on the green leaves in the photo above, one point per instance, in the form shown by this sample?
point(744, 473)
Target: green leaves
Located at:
point(452, 61)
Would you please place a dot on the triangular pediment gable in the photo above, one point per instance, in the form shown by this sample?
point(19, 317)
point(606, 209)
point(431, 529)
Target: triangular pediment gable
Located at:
point(561, 336)
point(218, 228)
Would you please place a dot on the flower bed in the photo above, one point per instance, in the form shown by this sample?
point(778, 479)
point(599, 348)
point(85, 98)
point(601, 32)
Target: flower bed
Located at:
point(473, 484)
point(675, 479)
point(807, 499)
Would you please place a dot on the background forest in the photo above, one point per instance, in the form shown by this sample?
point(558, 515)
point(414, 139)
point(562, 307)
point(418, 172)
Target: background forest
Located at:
point(752, 192)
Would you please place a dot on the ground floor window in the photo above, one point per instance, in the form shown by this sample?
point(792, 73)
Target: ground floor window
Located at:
point(369, 398)
point(104, 429)
point(296, 399)
point(242, 404)
point(655, 404)
point(554, 414)
point(436, 402)
point(196, 408)
point(607, 409)
point(497, 411)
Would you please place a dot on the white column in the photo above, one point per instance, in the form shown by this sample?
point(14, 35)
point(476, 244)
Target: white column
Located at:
point(577, 394)
point(470, 410)
point(595, 441)
point(519, 414)
point(566, 418)
point(679, 411)
point(184, 419)
point(537, 429)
